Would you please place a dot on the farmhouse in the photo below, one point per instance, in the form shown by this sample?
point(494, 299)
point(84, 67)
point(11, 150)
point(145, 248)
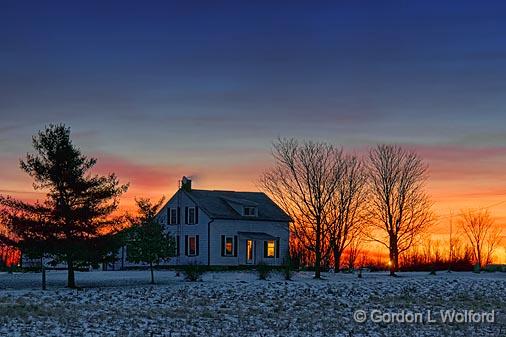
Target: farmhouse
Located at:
point(222, 228)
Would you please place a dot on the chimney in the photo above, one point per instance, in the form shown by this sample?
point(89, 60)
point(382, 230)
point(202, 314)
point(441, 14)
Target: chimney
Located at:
point(186, 184)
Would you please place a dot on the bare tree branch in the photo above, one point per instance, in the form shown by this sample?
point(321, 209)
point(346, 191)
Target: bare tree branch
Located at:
point(303, 182)
point(398, 204)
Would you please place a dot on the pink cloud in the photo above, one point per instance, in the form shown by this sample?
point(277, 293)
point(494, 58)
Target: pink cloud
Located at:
point(140, 175)
point(460, 153)
point(452, 162)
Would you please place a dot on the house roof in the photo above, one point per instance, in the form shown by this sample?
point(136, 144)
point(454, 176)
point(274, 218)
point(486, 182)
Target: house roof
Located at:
point(218, 205)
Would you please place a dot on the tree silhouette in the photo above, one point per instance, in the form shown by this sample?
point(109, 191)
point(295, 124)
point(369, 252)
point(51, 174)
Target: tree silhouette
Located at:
point(303, 182)
point(345, 214)
point(75, 222)
point(483, 236)
point(146, 239)
point(398, 204)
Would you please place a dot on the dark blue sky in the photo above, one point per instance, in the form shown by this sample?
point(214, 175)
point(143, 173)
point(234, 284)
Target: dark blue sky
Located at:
point(156, 90)
point(210, 83)
point(314, 67)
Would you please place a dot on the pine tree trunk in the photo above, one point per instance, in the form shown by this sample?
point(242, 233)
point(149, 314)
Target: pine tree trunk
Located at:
point(43, 276)
point(152, 273)
point(71, 282)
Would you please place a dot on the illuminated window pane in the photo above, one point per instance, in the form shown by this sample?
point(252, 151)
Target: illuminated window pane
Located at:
point(192, 243)
point(229, 245)
point(271, 246)
point(249, 250)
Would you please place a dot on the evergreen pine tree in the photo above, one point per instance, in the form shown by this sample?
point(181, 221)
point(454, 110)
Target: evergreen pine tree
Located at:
point(146, 239)
point(75, 223)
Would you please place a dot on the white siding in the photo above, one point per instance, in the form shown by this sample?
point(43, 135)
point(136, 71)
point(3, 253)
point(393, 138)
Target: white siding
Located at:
point(232, 227)
point(217, 228)
point(181, 200)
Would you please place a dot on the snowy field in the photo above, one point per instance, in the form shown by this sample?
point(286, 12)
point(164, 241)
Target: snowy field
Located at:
point(237, 304)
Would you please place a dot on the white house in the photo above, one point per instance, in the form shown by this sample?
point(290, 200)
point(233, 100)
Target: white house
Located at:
point(222, 228)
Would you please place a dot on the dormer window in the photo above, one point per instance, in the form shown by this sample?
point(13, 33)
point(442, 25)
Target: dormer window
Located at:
point(250, 211)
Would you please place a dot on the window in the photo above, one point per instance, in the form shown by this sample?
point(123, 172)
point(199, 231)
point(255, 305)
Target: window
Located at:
point(173, 216)
point(192, 246)
point(191, 215)
point(250, 211)
point(271, 248)
point(249, 251)
point(229, 246)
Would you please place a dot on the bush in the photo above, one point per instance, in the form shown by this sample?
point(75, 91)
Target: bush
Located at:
point(287, 269)
point(492, 268)
point(263, 270)
point(193, 272)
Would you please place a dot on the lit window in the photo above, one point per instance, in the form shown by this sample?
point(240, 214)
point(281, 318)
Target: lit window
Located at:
point(249, 211)
point(191, 215)
point(271, 248)
point(173, 216)
point(249, 251)
point(229, 245)
point(192, 245)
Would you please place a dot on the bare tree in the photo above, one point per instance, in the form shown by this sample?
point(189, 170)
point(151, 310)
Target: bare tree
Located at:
point(346, 207)
point(399, 205)
point(354, 250)
point(303, 182)
point(481, 233)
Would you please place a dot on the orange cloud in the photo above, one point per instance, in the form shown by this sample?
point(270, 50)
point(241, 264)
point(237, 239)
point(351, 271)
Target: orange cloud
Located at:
point(460, 177)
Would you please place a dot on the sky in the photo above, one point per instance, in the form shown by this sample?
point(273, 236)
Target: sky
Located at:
point(160, 89)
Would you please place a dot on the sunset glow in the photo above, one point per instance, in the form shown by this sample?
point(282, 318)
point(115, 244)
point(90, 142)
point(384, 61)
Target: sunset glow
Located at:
point(155, 96)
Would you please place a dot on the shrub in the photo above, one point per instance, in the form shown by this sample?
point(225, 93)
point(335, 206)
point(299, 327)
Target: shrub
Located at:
point(263, 270)
point(193, 272)
point(287, 268)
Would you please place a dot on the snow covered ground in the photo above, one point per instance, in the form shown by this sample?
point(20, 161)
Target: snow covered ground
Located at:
point(237, 304)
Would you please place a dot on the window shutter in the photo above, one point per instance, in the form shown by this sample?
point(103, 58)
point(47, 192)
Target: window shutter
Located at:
point(196, 214)
point(186, 245)
point(277, 248)
point(177, 245)
point(265, 248)
point(178, 215)
point(235, 245)
point(186, 215)
point(197, 244)
point(223, 245)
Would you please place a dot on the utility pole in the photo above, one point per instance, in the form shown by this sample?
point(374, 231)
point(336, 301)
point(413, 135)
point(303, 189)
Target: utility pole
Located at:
point(451, 242)
point(43, 268)
point(178, 225)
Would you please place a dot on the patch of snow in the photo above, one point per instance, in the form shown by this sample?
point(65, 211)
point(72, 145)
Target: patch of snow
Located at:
point(122, 303)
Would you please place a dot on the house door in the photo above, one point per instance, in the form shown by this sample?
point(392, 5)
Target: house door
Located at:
point(250, 252)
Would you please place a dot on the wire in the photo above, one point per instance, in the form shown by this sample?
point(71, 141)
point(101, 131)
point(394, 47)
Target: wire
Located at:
point(475, 210)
